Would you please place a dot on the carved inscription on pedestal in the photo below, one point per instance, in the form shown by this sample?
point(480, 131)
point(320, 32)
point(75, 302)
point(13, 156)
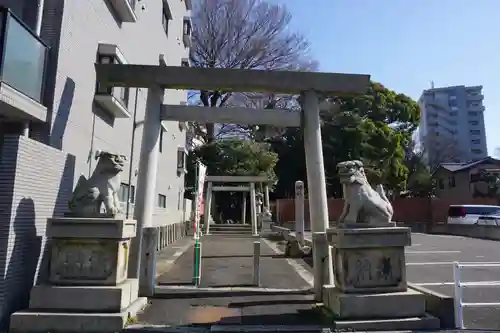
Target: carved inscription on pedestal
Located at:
point(82, 260)
point(371, 268)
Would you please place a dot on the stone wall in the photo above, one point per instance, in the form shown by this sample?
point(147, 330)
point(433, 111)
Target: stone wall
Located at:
point(407, 211)
point(473, 231)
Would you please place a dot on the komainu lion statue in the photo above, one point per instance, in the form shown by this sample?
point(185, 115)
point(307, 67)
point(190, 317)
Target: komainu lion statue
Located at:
point(101, 188)
point(362, 204)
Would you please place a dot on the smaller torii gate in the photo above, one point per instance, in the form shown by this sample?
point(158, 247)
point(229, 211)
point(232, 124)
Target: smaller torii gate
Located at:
point(251, 180)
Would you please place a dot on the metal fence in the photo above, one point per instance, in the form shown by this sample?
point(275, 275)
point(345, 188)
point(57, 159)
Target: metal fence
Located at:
point(458, 290)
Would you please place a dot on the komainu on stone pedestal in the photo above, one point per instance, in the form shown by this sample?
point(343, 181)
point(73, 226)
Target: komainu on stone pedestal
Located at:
point(100, 189)
point(88, 288)
point(362, 204)
point(370, 291)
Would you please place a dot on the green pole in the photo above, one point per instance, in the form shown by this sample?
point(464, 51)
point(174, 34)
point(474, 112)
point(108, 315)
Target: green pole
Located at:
point(197, 266)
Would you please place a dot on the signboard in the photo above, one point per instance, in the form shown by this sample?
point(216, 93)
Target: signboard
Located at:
point(202, 172)
point(200, 182)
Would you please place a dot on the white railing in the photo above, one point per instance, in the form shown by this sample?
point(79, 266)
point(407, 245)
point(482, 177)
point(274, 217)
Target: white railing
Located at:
point(459, 285)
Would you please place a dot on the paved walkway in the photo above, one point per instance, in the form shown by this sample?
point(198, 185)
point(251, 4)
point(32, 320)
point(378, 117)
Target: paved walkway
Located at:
point(227, 262)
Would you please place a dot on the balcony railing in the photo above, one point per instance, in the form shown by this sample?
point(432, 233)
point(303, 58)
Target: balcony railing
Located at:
point(23, 56)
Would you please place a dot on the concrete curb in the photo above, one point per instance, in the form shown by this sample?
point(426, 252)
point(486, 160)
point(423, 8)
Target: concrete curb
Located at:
point(487, 232)
point(439, 305)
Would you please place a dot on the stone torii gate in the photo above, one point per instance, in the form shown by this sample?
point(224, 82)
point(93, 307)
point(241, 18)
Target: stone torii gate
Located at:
point(251, 180)
point(157, 78)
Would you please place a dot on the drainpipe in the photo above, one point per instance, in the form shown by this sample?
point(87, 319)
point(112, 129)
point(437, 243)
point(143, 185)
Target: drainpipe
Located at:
point(39, 17)
point(132, 146)
point(26, 128)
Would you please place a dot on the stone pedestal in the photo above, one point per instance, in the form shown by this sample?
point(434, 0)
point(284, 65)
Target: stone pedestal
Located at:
point(266, 223)
point(87, 289)
point(190, 228)
point(369, 259)
point(370, 290)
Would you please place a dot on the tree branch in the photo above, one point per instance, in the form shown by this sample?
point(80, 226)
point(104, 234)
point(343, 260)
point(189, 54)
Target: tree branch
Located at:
point(246, 34)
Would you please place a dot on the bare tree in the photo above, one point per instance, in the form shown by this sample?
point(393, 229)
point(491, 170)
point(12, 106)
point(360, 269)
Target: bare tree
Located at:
point(496, 153)
point(243, 34)
point(441, 149)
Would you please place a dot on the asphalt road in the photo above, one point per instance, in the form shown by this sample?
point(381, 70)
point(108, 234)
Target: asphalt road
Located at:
point(430, 261)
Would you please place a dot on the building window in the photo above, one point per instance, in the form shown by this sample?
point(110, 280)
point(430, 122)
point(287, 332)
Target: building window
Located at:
point(441, 184)
point(180, 199)
point(186, 26)
point(472, 104)
point(472, 113)
point(181, 160)
point(452, 102)
point(162, 201)
point(475, 141)
point(186, 31)
point(189, 4)
point(473, 122)
point(161, 141)
point(476, 151)
point(123, 193)
point(115, 100)
point(124, 9)
point(454, 113)
point(166, 16)
point(451, 181)
point(121, 93)
point(475, 132)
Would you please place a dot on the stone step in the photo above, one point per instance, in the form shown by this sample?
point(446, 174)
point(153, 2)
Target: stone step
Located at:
point(74, 322)
point(230, 232)
point(266, 328)
point(230, 226)
point(231, 229)
point(403, 304)
point(226, 329)
point(426, 322)
point(145, 328)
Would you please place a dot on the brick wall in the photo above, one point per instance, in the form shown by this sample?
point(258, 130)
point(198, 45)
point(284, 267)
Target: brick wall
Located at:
point(408, 211)
point(36, 182)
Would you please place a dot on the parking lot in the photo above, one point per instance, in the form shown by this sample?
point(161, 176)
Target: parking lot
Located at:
point(430, 264)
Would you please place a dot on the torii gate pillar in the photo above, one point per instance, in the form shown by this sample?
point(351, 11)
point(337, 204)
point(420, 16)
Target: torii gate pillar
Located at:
point(318, 205)
point(146, 179)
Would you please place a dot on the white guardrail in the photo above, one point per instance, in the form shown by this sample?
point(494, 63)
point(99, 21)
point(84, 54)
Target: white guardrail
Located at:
point(459, 285)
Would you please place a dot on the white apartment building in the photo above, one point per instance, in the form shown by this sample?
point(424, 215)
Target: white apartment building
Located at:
point(452, 124)
point(53, 117)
